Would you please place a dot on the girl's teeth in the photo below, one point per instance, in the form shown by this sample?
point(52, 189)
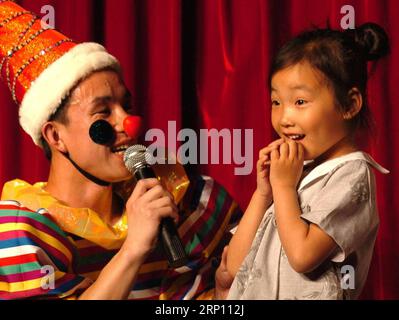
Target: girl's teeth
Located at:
point(295, 137)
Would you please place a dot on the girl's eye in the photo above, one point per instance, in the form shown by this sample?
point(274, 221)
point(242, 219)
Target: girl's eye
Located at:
point(300, 102)
point(275, 103)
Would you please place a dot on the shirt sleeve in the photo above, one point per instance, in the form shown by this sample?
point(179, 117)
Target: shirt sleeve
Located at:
point(210, 214)
point(344, 207)
point(35, 256)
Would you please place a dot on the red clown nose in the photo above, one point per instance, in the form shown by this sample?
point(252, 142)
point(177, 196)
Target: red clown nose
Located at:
point(132, 126)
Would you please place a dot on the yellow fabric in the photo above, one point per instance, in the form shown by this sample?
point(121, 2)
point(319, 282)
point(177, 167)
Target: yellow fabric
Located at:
point(82, 222)
point(85, 222)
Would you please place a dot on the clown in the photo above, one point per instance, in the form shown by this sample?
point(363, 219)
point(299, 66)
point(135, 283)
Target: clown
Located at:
point(90, 222)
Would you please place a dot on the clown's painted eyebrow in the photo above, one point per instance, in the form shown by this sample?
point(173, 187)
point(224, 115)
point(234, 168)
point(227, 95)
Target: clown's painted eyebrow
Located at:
point(106, 99)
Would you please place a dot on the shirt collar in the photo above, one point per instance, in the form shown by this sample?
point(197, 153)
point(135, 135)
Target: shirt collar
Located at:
point(329, 165)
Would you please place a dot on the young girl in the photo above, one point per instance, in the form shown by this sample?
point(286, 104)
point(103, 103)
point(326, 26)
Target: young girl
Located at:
point(310, 228)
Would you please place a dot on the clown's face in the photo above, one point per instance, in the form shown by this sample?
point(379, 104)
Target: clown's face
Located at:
point(102, 95)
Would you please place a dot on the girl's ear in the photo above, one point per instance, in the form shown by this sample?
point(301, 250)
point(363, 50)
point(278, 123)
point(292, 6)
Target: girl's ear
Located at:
point(356, 102)
point(50, 133)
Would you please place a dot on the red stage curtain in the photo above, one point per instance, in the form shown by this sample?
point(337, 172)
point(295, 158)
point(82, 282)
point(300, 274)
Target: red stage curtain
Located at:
point(204, 64)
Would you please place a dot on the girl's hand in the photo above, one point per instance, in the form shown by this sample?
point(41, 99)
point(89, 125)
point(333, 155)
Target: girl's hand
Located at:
point(286, 165)
point(263, 169)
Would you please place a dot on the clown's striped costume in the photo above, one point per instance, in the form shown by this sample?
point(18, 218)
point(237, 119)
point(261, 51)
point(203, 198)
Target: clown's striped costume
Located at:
point(33, 243)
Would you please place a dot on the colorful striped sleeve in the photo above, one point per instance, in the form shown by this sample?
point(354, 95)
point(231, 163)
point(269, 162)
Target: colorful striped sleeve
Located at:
point(210, 213)
point(35, 256)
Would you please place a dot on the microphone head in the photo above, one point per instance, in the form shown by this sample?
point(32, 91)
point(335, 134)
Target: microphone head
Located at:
point(136, 157)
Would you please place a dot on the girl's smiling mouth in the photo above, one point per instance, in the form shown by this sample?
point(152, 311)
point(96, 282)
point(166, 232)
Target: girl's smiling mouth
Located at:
point(294, 136)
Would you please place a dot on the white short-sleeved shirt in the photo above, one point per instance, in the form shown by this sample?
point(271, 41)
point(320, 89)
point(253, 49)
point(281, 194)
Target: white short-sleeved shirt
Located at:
point(339, 196)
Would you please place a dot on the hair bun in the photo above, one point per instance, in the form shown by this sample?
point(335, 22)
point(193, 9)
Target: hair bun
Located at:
point(373, 40)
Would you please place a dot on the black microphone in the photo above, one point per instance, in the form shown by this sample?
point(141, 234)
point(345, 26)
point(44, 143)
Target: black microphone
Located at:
point(136, 160)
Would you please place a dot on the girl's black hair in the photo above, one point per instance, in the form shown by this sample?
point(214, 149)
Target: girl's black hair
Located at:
point(341, 56)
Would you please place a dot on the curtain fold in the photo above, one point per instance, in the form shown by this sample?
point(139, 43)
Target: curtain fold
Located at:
point(204, 64)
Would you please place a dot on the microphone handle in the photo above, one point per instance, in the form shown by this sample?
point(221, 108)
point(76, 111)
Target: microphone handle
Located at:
point(144, 172)
point(170, 239)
